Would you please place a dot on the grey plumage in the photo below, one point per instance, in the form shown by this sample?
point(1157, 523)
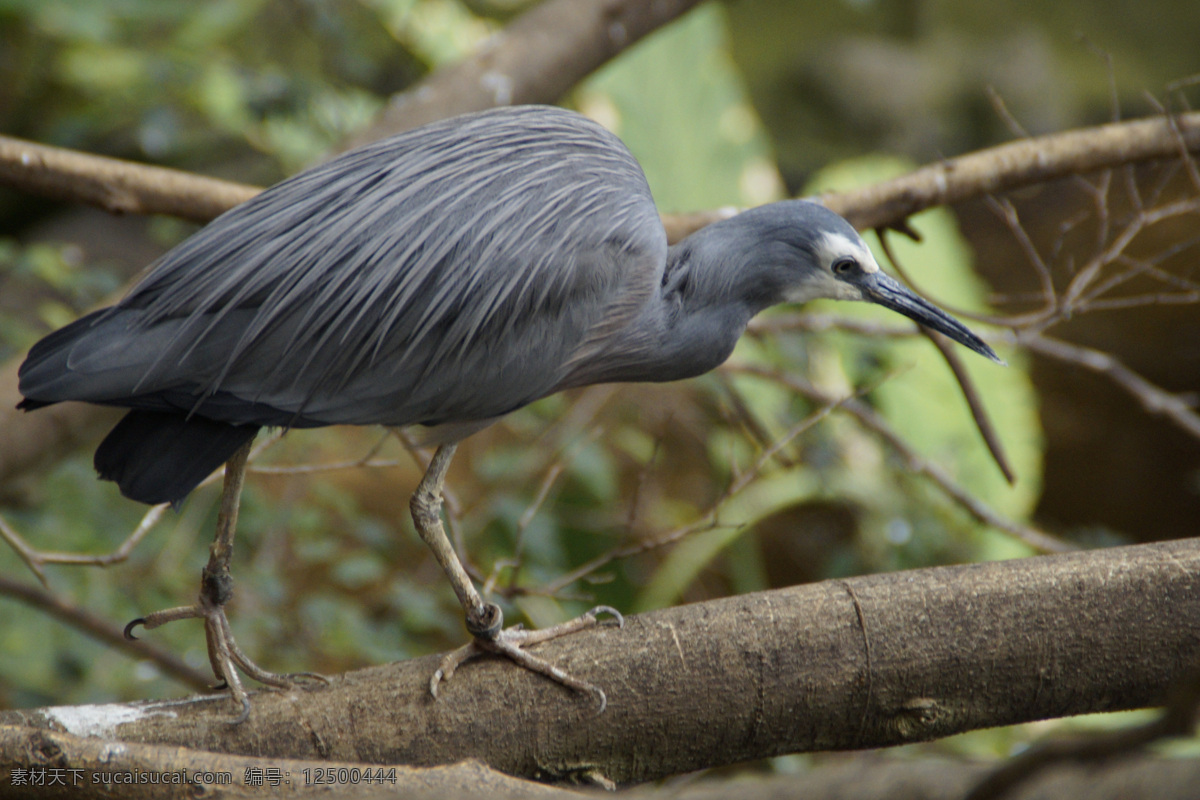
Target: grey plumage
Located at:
point(445, 276)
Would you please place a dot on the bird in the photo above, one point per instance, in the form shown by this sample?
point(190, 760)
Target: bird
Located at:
point(442, 277)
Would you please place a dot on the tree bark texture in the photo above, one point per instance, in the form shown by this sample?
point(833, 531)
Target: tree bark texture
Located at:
point(81, 768)
point(76, 768)
point(842, 664)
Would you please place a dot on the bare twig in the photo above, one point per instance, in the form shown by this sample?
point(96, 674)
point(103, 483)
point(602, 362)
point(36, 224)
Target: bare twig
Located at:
point(1180, 409)
point(1001, 108)
point(103, 630)
point(1186, 153)
point(913, 461)
point(708, 520)
point(974, 402)
point(151, 518)
point(38, 558)
point(28, 554)
point(1110, 267)
point(1008, 212)
point(550, 477)
point(740, 416)
point(818, 322)
point(639, 488)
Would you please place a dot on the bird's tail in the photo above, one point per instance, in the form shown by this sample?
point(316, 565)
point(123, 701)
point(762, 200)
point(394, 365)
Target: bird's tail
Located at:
point(157, 457)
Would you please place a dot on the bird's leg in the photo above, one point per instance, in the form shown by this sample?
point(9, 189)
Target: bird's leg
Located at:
point(216, 589)
point(485, 621)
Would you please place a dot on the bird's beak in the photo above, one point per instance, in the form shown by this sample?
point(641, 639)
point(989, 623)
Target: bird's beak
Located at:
point(880, 288)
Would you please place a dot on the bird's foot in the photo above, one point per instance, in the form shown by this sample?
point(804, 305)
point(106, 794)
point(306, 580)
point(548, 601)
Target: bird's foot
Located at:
point(224, 655)
point(490, 636)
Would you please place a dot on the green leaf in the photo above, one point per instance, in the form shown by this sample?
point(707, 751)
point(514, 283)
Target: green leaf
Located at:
point(765, 496)
point(922, 399)
point(699, 140)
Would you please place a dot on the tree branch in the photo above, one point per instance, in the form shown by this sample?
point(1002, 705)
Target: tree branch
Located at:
point(83, 763)
point(79, 767)
point(1021, 163)
point(122, 187)
point(1179, 409)
point(845, 664)
point(537, 58)
point(1008, 166)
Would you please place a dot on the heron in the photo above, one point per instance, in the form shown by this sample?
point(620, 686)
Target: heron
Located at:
point(442, 277)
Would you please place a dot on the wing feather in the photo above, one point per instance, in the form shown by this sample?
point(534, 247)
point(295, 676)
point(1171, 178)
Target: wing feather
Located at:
point(489, 243)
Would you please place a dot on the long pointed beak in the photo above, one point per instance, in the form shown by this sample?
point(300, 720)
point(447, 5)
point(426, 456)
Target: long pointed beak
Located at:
point(880, 288)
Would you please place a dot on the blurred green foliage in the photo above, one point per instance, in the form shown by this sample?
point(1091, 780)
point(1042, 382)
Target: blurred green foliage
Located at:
point(330, 576)
point(921, 397)
point(674, 126)
point(179, 82)
point(55, 273)
point(835, 80)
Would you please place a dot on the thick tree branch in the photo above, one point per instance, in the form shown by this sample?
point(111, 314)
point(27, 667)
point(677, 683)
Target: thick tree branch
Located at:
point(866, 778)
point(847, 664)
point(79, 768)
point(1009, 166)
point(82, 763)
point(537, 58)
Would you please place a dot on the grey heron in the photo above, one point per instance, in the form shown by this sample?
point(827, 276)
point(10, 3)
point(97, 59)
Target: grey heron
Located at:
point(442, 277)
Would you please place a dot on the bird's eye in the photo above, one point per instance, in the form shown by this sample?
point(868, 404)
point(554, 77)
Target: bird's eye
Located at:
point(844, 266)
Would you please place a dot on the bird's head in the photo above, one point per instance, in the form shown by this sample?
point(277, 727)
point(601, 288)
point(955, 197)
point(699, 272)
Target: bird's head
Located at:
point(826, 258)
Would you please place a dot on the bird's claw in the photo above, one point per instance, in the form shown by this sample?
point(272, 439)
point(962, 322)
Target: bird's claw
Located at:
point(245, 714)
point(224, 654)
point(511, 643)
point(485, 622)
point(128, 632)
point(616, 615)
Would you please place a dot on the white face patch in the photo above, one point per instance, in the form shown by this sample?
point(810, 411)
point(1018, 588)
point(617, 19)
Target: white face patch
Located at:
point(832, 246)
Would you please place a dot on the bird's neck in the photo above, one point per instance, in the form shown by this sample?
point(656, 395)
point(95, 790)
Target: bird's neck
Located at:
point(690, 325)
